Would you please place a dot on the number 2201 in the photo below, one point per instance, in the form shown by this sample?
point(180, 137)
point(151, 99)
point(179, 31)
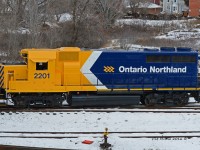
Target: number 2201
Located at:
point(41, 75)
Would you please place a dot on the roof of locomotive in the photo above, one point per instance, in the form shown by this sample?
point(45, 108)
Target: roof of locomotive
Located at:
point(145, 50)
point(48, 49)
point(160, 50)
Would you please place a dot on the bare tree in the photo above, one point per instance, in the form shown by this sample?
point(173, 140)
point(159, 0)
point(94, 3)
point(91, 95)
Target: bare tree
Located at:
point(108, 11)
point(79, 13)
point(91, 24)
point(135, 5)
point(56, 9)
point(33, 22)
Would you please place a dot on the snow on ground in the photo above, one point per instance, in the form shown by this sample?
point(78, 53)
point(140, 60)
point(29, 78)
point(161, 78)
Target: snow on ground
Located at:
point(181, 34)
point(115, 44)
point(154, 23)
point(198, 43)
point(22, 31)
point(96, 122)
point(184, 33)
point(4, 54)
point(65, 17)
point(84, 122)
point(118, 143)
point(19, 30)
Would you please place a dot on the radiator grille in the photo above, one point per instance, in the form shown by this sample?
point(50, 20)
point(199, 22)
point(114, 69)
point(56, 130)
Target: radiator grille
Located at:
point(68, 56)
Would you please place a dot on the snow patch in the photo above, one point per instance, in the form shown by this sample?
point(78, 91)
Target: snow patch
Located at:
point(181, 34)
point(154, 23)
point(65, 17)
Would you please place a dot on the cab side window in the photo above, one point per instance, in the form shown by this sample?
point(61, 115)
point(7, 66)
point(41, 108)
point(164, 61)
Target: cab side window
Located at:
point(41, 65)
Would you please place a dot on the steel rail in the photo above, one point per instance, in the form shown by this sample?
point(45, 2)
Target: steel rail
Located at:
point(164, 135)
point(56, 111)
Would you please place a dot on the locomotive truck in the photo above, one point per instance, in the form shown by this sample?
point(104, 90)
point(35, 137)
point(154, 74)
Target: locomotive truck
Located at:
point(50, 76)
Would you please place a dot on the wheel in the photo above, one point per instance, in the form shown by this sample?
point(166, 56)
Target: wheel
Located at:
point(196, 96)
point(58, 103)
point(181, 99)
point(179, 102)
point(20, 102)
point(150, 100)
point(185, 97)
point(142, 99)
point(69, 99)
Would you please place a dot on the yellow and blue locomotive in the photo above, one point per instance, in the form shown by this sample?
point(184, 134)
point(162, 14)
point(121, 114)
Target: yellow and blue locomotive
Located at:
point(49, 76)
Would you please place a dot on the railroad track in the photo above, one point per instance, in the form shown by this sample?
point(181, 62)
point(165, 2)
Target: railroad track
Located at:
point(107, 110)
point(191, 108)
point(12, 147)
point(138, 134)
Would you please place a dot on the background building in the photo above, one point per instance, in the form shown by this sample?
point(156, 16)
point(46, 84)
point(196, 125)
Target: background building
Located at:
point(144, 7)
point(174, 6)
point(156, 2)
point(194, 8)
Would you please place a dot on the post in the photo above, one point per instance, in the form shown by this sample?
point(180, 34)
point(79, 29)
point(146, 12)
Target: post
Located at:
point(105, 135)
point(105, 144)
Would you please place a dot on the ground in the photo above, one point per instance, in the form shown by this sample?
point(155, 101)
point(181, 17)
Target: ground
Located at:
point(82, 121)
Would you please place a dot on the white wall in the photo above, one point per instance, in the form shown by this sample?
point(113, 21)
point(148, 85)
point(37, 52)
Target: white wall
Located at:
point(173, 6)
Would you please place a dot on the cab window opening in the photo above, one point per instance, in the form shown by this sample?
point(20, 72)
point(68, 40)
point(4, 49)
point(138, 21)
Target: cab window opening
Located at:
point(41, 65)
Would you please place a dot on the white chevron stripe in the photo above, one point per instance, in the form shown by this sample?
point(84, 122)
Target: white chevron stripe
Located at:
point(88, 74)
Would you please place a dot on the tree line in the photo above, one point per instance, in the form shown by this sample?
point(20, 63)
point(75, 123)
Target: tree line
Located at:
point(35, 23)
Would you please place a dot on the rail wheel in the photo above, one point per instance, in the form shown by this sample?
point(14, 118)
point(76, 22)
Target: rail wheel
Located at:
point(150, 100)
point(185, 97)
point(20, 102)
point(69, 99)
point(142, 100)
point(181, 99)
point(54, 104)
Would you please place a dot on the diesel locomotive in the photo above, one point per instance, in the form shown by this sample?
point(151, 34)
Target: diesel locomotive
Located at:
point(50, 76)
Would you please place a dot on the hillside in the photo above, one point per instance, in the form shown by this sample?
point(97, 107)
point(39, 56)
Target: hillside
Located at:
point(86, 24)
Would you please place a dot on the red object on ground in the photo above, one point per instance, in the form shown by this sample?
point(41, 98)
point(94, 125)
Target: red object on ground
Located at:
point(87, 142)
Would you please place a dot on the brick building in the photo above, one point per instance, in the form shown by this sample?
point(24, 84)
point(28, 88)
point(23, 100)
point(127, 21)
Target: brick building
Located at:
point(156, 2)
point(194, 7)
point(153, 8)
point(147, 7)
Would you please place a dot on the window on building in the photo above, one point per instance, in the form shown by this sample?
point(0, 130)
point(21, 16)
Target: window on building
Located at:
point(174, 8)
point(41, 65)
point(168, 1)
point(174, 1)
point(168, 7)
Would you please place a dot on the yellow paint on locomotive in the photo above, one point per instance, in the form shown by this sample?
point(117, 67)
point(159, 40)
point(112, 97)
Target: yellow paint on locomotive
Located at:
point(13, 73)
point(49, 70)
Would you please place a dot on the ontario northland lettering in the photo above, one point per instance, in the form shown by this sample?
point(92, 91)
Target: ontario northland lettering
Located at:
point(152, 69)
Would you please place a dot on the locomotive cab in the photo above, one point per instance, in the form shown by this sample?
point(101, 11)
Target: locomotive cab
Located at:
point(35, 82)
point(39, 69)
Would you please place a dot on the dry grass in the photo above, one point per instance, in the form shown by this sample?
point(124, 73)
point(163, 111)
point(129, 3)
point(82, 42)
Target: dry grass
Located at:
point(144, 35)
